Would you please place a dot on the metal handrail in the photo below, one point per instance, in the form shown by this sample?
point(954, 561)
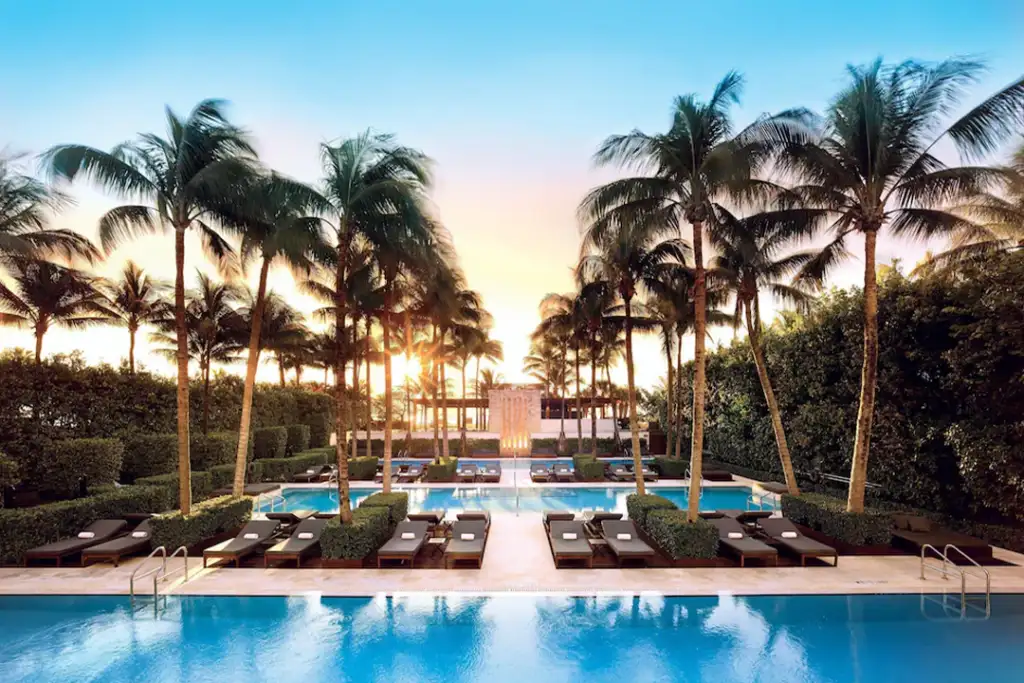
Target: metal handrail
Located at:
point(184, 552)
point(988, 577)
point(271, 496)
point(163, 567)
point(949, 568)
point(759, 500)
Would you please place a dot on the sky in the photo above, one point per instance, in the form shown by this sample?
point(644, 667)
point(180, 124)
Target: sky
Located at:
point(509, 99)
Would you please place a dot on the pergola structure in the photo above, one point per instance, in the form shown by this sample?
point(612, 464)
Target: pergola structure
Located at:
point(551, 408)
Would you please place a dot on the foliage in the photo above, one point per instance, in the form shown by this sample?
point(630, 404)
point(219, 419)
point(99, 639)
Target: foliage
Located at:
point(10, 474)
point(298, 438)
point(213, 449)
point(362, 468)
point(25, 528)
point(269, 442)
point(63, 464)
point(147, 455)
point(366, 533)
point(587, 468)
point(679, 538)
point(223, 476)
point(202, 484)
point(206, 519)
point(673, 468)
point(828, 515)
point(638, 506)
point(441, 471)
point(319, 429)
point(283, 469)
point(397, 505)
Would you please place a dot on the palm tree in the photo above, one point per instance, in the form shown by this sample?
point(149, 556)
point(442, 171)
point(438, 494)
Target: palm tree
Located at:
point(179, 181)
point(548, 364)
point(559, 328)
point(464, 340)
point(367, 179)
point(489, 380)
point(46, 294)
point(135, 299)
point(594, 310)
point(872, 165)
point(490, 350)
point(282, 329)
point(696, 162)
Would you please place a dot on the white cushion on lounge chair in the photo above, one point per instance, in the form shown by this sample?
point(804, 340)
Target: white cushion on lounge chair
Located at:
point(735, 535)
point(250, 537)
point(408, 536)
point(87, 534)
point(624, 537)
point(310, 471)
point(569, 535)
point(467, 537)
point(789, 534)
point(139, 534)
point(305, 535)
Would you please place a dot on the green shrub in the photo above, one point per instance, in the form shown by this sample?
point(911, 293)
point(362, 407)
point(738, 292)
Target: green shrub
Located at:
point(147, 455)
point(215, 448)
point(207, 519)
point(828, 515)
point(638, 507)
point(298, 438)
point(269, 442)
point(319, 430)
point(202, 484)
point(443, 471)
point(587, 467)
point(679, 538)
point(672, 468)
point(10, 474)
point(222, 476)
point(25, 528)
point(397, 505)
point(367, 532)
point(255, 472)
point(282, 469)
point(362, 468)
point(61, 466)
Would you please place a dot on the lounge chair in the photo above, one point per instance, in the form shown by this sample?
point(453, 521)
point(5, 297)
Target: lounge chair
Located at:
point(563, 472)
point(618, 473)
point(490, 473)
point(291, 518)
point(312, 474)
point(715, 475)
point(378, 477)
point(94, 534)
point(466, 473)
point(733, 536)
point(304, 540)
point(249, 490)
point(250, 538)
point(540, 472)
point(411, 474)
point(784, 533)
point(408, 540)
point(592, 520)
point(624, 541)
point(648, 474)
point(569, 543)
point(914, 532)
point(135, 542)
point(432, 517)
point(747, 516)
point(558, 516)
point(469, 539)
point(475, 516)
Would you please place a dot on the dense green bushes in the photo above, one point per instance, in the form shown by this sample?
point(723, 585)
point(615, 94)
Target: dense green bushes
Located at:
point(147, 455)
point(441, 471)
point(638, 507)
point(283, 469)
point(223, 476)
point(25, 528)
point(829, 516)
point(60, 466)
point(362, 468)
point(320, 429)
point(202, 484)
point(269, 442)
point(397, 505)
point(367, 532)
point(213, 449)
point(298, 438)
point(671, 468)
point(207, 519)
point(679, 538)
point(587, 468)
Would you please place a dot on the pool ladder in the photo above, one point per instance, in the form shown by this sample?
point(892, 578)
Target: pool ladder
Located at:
point(949, 568)
point(273, 497)
point(760, 501)
point(159, 573)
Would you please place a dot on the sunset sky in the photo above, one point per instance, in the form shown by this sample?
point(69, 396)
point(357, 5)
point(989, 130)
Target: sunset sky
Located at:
point(509, 99)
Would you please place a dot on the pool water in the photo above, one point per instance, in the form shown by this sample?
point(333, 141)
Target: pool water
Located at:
point(510, 499)
point(838, 639)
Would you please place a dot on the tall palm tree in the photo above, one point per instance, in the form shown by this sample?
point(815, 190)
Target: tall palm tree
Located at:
point(698, 161)
point(493, 351)
point(44, 294)
point(178, 181)
point(367, 179)
point(872, 164)
point(560, 328)
point(489, 381)
point(464, 340)
point(135, 299)
point(594, 310)
point(282, 329)
point(548, 364)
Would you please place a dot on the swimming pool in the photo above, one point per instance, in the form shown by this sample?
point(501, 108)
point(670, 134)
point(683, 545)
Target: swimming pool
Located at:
point(838, 639)
point(510, 499)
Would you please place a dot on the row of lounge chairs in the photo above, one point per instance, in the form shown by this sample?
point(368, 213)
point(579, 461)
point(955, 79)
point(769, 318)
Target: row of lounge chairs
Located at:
point(573, 540)
point(464, 541)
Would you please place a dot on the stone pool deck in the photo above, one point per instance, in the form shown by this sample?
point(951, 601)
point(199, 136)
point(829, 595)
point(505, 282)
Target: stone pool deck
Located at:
point(518, 559)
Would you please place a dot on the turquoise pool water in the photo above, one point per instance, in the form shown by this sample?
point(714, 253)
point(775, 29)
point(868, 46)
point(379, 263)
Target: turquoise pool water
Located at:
point(509, 499)
point(836, 639)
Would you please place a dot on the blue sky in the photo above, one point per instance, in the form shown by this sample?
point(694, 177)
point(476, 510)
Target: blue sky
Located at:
point(509, 98)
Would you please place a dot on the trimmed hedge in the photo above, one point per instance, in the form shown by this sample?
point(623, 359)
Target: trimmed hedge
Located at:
point(298, 439)
point(202, 484)
point(61, 466)
point(397, 505)
point(442, 471)
point(367, 532)
point(679, 538)
point(282, 469)
point(587, 467)
point(828, 515)
point(215, 448)
point(222, 476)
point(671, 468)
point(147, 455)
point(362, 468)
point(319, 430)
point(207, 519)
point(25, 528)
point(269, 442)
point(638, 507)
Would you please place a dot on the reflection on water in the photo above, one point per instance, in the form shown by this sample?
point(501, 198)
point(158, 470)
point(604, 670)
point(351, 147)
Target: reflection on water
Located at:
point(525, 639)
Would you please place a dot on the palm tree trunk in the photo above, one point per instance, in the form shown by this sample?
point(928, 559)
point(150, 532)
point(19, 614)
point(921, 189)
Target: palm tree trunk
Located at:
point(615, 405)
point(206, 398)
point(342, 407)
point(131, 350)
point(868, 377)
point(668, 395)
point(754, 335)
point(433, 390)
point(699, 379)
point(280, 369)
point(40, 331)
point(385, 326)
point(593, 394)
point(410, 412)
point(369, 393)
point(353, 417)
point(579, 405)
point(462, 436)
point(238, 486)
point(181, 333)
point(561, 416)
point(444, 408)
point(476, 393)
point(634, 427)
point(677, 408)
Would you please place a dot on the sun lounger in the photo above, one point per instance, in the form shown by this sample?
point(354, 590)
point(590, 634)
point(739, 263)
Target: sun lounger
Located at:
point(94, 534)
point(304, 540)
point(431, 517)
point(747, 516)
point(914, 532)
point(411, 474)
point(618, 473)
point(624, 541)
point(648, 474)
point(784, 533)
point(733, 536)
point(291, 518)
point(569, 543)
point(540, 472)
point(466, 473)
point(469, 539)
point(312, 474)
point(475, 515)
point(378, 477)
point(325, 515)
point(135, 542)
point(558, 516)
point(249, 490)
point(490, 473)
point(253, 535)
point(563, 472)
point(408, 540)
point(592, 520)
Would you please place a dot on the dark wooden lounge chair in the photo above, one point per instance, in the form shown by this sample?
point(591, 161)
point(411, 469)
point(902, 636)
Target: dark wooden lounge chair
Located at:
point(741, 544)
point(312, 474)
point(304, 540)
point(618, 473)
point(568, 541)
point(624, 541)
point(113, 550)
point(747, 516)
point(249, 540)
point(562, 472)
point(490, 473)
point(94, 534)
point(466, 473)
point(411, 474)
point(539, 472)
point(406, 543)
point(784, 533)
point(558, 516)
point(914, 532)
point(468, 542)
point(592, 520)
point(431, 517)
point(475, 515)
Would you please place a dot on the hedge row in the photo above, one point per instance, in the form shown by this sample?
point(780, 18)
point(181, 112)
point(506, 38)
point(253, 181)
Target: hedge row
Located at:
point(298, 438)
point(362, 469)
point(202, 484)
point(441, 471)
point(672, 468)
point(397, 505)
point(668, 528)
point(637, 507)
point(283, 469)
point(373, 523)
point(829, 516)
point(587, 468)
point(270, 442)
point(207, 519)
point(25, 528)
point(60, 468)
